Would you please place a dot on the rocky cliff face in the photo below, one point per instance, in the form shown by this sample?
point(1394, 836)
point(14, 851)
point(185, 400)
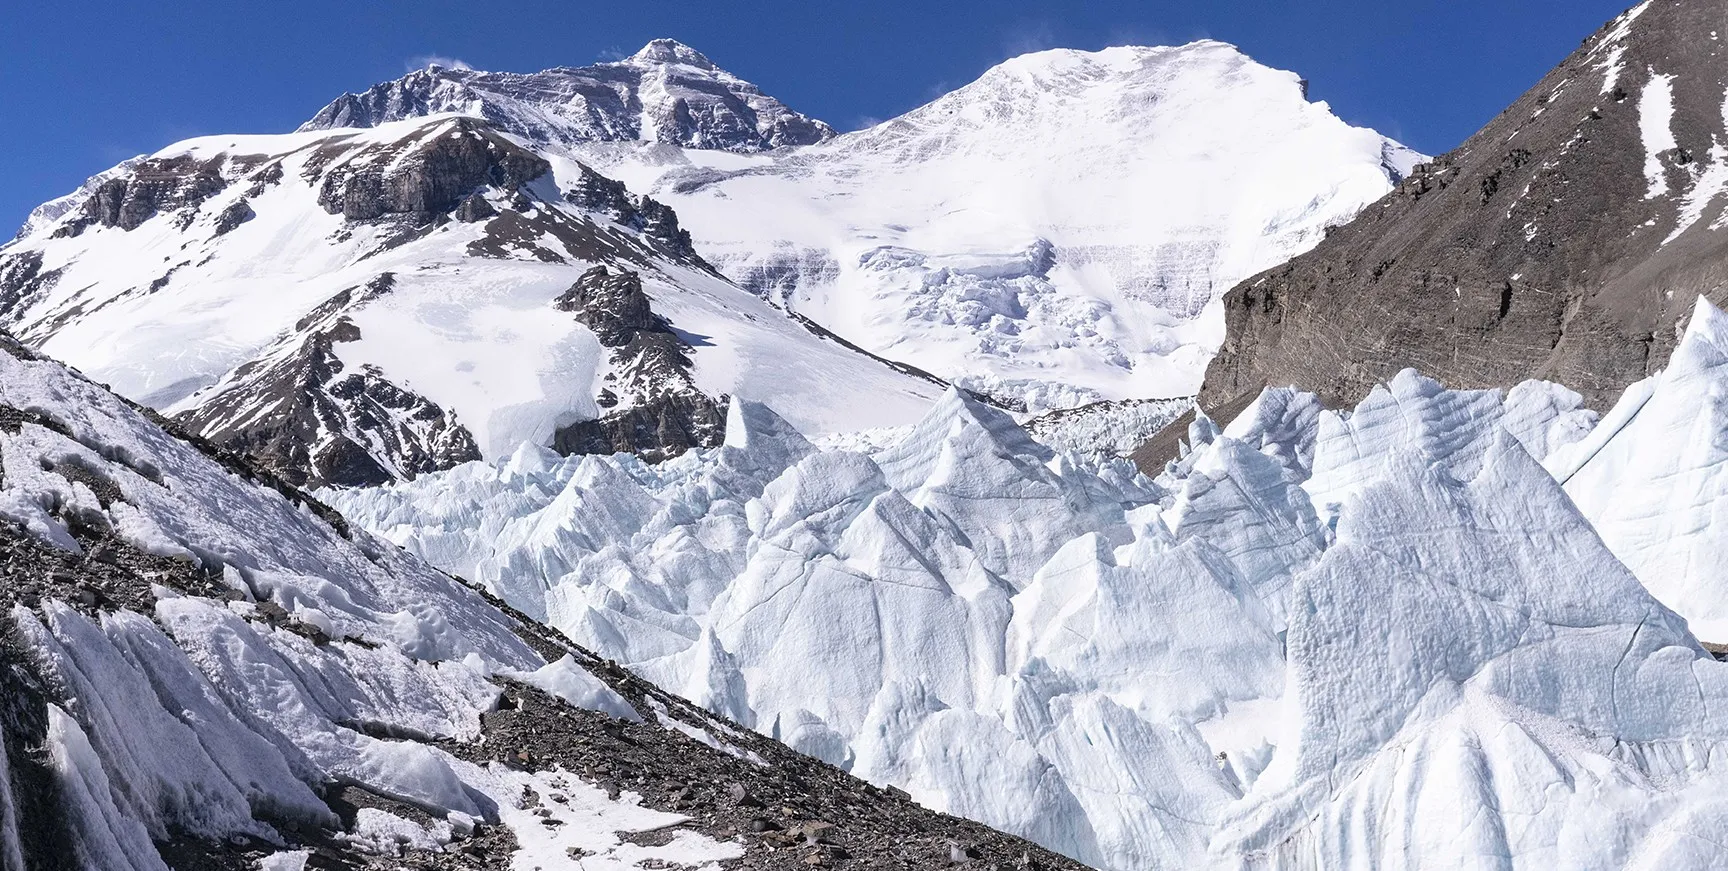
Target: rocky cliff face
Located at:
point(667, 92)
point(424, 175)
point(152, 186)
point(657, 223)
point(1565, 241)
point(652, 404)
point(305, 415)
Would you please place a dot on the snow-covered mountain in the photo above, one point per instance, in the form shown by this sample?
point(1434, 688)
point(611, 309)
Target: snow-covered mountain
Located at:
point(667, 92)
point(204, 668)
point(1444, 628)
point(1052, 234)
point(1410, 635)
point(410, 281)
point(356, 306)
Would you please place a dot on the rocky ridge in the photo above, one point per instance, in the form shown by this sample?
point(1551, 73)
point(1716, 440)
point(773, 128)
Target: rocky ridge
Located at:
point(667, 92)
point(327, 424)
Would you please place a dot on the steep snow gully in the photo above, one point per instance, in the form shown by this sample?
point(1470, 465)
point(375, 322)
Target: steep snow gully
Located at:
point(1444, 629)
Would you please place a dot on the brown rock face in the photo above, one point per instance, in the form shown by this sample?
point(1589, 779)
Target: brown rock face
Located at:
point(1552, 244)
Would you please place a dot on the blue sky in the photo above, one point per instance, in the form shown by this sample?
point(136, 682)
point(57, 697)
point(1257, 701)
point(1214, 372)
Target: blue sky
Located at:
point(84, 85)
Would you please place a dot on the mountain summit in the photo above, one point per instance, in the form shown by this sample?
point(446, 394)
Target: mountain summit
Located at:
point(667, 92)
point(671, 51)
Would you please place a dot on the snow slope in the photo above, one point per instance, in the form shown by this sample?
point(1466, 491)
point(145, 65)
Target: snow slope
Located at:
point(1053, 233)
point(1386, 638)
point(450, 305)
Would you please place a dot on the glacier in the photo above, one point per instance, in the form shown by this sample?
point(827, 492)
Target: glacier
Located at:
point(1443, 629)
point(204, 667)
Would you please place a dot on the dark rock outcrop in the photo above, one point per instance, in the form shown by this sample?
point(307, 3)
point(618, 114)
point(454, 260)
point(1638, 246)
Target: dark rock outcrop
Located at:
point(658, 412)
point(237, 213)
point(330, 426)
point(426, 174)
point(302, 413)
point(619, 313)
point(153, 186)
point(1549, 245)
point(474, 208)
point(658, 428)
point(653, 219)
point(21, 279)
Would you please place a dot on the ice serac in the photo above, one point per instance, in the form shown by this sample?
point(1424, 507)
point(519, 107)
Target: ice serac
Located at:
point(1472, 674)
point(668, 93)
point(1565, 241)
point(1000, 630)
point(981, 476)
point(1654, 477)
point(356, 306)
point(206, 668)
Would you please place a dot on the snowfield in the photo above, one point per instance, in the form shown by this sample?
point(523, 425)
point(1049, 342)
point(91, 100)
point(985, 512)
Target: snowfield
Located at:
point(1445, 628)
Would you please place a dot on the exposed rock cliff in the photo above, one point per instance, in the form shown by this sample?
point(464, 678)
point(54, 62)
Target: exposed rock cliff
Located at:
point(1566, 240)
point(653, 406)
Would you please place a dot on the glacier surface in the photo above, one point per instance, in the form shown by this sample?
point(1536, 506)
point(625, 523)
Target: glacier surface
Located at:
point(1445, 629)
